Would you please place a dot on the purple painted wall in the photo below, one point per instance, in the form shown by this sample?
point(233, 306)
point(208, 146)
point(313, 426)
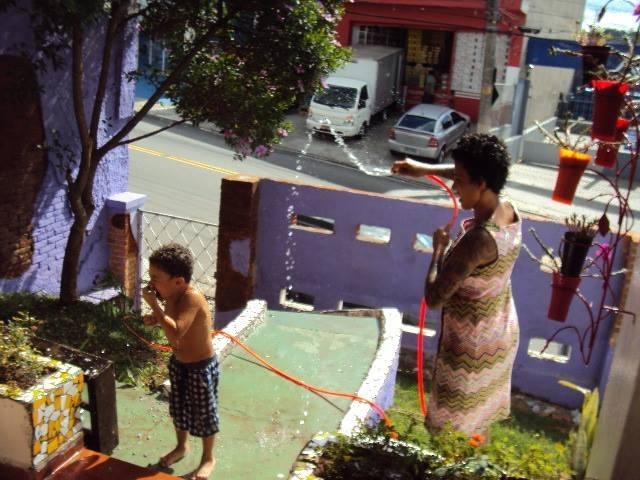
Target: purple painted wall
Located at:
point(335, 267)
point(52, 217)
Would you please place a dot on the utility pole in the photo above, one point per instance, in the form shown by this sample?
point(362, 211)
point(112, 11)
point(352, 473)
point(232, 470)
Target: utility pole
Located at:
point(488, 68)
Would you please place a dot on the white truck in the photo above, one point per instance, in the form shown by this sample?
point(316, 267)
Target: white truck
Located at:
point(363, 88)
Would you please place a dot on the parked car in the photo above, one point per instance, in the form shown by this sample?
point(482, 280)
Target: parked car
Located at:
point(428, 130)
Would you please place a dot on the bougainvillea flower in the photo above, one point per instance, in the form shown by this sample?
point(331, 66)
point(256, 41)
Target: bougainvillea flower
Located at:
point(261, 151)
point(604, 251)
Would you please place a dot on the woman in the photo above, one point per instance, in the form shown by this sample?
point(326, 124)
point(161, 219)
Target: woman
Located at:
point(469, 279)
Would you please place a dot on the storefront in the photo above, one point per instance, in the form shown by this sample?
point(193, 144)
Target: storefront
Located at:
point(443, 40)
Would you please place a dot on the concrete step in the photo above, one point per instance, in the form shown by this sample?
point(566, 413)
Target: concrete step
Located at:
point(91, 465)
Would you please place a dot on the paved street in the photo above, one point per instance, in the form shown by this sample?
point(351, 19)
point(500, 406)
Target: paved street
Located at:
point(530, 185)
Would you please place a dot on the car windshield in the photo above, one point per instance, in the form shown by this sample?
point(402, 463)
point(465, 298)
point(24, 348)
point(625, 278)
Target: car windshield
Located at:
point(333, 96)
point(416, 122)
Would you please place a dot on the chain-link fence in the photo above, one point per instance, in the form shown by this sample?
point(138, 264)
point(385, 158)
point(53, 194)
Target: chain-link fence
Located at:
point(201, 238)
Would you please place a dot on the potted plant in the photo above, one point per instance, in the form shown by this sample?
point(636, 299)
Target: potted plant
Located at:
point(567, 266)
point(608, 150)
point(572, 158)
point(40, 402)
point(594, 52)
point(576, 243)
point(608, 98)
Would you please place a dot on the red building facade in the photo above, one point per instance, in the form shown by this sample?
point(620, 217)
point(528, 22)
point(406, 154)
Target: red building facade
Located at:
point(447, 38)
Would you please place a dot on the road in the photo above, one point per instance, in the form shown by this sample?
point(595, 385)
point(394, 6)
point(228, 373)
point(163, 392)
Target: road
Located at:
point(197, 158)
point(180, 171)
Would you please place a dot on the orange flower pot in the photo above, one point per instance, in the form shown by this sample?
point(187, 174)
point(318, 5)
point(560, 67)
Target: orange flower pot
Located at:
point(607, 100)
point(563, 289)
point(570, 169)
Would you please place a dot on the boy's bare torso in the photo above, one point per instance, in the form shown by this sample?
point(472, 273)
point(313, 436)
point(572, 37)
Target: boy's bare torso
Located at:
point(191, 312)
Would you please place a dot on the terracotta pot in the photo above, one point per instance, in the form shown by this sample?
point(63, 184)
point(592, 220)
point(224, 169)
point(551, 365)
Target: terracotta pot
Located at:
point(607, 155)
point(607, 100)
point(563, 289)
point(592, 57)
point(608, 152)
point(570, 169)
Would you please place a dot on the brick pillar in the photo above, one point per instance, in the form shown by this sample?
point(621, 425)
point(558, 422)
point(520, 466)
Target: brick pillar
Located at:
point(238, 223)
point(123, 238)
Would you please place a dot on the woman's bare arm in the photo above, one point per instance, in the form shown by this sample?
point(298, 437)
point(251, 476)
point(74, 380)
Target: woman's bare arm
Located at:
point(412, 168)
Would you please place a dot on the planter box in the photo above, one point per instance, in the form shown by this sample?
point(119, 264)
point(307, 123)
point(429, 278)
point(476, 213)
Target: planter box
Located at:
point(40, 424)
point(99, 377)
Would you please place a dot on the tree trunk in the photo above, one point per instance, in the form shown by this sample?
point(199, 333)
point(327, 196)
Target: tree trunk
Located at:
point(71, 262)
point(80, 196)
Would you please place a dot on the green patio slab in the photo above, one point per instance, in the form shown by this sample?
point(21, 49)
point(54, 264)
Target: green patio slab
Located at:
point(265, 419)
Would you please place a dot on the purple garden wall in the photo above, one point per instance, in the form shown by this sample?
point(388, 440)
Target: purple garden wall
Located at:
point(52, 218)
point(338, 267)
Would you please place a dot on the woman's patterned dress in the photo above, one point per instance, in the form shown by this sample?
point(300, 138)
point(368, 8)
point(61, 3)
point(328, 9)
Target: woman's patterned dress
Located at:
point(471, 387)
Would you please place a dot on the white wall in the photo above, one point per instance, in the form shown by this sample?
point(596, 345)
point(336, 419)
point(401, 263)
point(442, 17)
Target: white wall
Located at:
point(556, 20)
point(546, 84)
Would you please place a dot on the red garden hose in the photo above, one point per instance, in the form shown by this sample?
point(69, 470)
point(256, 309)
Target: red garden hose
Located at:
point(380, 411)
point(423, 304)
point(282, 374)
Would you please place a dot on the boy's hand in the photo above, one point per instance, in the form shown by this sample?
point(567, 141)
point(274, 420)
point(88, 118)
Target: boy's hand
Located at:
point(149, 320)
point(149, 296)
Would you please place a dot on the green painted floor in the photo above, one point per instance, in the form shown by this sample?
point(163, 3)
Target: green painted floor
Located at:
point(265, 419)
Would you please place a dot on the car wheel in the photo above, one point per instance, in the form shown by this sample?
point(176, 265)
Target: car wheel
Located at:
point(363, 130)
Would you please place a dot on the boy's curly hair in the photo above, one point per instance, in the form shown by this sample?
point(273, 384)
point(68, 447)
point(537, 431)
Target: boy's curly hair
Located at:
point(484, 157)
point(175, 259)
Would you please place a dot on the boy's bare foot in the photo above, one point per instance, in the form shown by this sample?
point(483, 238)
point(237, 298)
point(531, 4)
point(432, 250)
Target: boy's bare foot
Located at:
point(172, 457)
point(204, 470)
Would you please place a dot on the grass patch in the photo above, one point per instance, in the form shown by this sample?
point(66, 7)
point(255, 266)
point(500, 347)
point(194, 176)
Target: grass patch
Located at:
point(525, 445)
point(109, 330)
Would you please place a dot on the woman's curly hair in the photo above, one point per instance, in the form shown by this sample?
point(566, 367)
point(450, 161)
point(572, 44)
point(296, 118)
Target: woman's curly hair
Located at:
point(175, 259)
point(484, 157)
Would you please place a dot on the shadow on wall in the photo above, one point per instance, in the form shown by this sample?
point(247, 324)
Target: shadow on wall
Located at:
point(23, 163)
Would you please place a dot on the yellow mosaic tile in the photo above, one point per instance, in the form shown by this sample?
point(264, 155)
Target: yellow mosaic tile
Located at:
point(52, 446)
point(53, 409)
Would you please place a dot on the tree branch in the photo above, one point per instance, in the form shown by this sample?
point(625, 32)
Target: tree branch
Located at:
point(105, 67)
point(147, 135)
point(164, 86)
point(78, 106)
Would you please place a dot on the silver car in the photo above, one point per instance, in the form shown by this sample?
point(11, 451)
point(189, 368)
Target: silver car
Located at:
point(428, 131)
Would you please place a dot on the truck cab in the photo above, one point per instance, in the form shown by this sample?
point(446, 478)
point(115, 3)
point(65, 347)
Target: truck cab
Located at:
point(343, 108)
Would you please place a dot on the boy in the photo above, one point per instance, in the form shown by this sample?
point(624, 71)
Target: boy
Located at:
point(193, 367)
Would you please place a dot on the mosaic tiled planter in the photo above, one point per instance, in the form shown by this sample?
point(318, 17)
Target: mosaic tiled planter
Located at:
point(43, 421)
